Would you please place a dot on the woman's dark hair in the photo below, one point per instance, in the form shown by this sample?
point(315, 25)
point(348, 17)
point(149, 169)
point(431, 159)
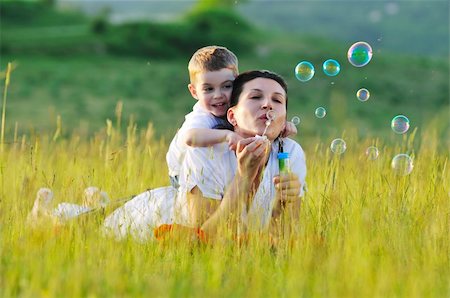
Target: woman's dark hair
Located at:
point(247, 76)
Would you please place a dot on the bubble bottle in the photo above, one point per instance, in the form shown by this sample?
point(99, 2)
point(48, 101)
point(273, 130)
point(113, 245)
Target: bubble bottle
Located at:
point(284, 168)
point(283, 163)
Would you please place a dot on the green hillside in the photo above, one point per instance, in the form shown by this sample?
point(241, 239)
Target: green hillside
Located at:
point(81, 80)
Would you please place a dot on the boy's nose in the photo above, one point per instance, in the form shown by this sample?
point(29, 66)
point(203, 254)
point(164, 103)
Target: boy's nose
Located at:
point(218, 93)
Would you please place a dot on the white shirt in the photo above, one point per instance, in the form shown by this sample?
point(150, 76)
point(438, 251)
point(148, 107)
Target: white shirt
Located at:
point(212, 170)
point(198, 118)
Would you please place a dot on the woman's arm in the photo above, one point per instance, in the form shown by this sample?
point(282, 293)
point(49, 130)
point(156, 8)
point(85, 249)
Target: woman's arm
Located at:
point(210, 214)
point(251, 155)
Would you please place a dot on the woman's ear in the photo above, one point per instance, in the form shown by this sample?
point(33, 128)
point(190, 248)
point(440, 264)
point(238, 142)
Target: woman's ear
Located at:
point(230, 117)
point(193, 91)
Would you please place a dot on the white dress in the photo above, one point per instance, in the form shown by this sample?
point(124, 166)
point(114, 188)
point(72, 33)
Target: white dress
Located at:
point(66, 211)
point(139, 216)
point(211, 170)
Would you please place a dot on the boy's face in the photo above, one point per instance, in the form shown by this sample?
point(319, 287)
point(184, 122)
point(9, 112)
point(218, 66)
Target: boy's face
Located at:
point(212, 89)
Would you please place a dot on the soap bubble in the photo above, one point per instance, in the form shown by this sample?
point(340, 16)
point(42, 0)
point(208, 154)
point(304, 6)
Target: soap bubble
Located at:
point(331, 67)
point(295, 120)
point(359, 54)
point(363, 94)
point(372, 152)
point(338, 146)
point(402, 164)
point(304, 71)
point(320, 112)
point(400, 124)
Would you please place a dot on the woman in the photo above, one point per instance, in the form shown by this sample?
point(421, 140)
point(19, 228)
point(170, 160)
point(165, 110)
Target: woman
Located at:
point(219, 186)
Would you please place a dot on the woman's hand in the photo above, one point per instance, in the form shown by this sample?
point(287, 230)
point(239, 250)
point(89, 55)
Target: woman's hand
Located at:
point(286, 212)
point(287, 187)
point(251, 155)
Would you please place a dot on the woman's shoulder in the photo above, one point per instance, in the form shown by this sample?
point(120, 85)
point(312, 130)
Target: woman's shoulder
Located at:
point(293, 147)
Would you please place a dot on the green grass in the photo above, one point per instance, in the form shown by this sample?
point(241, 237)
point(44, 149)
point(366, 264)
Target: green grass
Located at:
point(364, 231)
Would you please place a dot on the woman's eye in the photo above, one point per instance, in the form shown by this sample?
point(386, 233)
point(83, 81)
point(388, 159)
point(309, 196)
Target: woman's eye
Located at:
point(278, 100)
point(228, 86)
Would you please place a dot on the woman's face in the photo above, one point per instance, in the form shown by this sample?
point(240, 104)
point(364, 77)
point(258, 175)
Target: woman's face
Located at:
point(249, 116)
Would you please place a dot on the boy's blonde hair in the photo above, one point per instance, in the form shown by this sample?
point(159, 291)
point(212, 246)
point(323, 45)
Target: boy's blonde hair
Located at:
point(212, 58)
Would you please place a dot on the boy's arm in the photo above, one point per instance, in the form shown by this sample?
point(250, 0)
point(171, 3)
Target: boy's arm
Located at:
point(204, 137)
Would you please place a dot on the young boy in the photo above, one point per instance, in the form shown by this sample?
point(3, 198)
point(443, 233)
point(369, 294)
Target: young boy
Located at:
point(212, 70)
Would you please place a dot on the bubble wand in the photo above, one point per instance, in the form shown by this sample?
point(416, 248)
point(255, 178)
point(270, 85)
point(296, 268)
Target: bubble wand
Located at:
point(270, 117)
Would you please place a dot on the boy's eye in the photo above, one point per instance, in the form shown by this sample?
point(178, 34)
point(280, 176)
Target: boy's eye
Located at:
point(228, 86)
point(207, 89)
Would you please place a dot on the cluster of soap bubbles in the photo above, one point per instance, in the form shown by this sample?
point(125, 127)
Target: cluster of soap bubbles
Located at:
point(401, 163)
point(304, 71)
point(359, 55)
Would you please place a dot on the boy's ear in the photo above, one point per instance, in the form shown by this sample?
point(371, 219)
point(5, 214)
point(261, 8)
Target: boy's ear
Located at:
point(230, 117)
point(193, 91)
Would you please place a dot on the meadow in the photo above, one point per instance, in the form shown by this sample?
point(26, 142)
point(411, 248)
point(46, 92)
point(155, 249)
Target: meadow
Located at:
point(75, 119)
point(364, 231)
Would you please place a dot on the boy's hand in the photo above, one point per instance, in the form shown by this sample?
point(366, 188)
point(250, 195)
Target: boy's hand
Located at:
point(232, 140)
point(289, 130)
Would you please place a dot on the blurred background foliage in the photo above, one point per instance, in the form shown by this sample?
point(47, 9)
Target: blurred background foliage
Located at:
point(78, 59)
